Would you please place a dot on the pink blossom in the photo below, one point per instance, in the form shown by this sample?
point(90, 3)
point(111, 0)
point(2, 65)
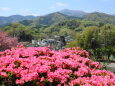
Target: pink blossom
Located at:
point(3, 74)
point(64, 67)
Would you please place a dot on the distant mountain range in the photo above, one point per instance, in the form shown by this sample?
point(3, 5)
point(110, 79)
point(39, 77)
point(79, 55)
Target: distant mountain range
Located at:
point(60, 16)
point(14, 18)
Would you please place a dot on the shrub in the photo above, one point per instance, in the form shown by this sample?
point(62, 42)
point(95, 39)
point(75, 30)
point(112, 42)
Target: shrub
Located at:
point(40, 66)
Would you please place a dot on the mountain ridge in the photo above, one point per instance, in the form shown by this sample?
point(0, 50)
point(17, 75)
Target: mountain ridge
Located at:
point(53, 18)
point(76, 13)
point(14, 18)
point(60, 16)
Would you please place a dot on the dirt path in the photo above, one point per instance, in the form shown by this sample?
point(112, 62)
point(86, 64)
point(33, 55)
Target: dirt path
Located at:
point(111, 67)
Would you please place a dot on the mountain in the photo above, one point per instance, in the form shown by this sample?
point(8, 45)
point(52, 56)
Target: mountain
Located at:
point(75, 13)
point(57, 17)
point(113, 15)
point(14, 18)
point(95, 16)
point(53, 18)
point(100, 17)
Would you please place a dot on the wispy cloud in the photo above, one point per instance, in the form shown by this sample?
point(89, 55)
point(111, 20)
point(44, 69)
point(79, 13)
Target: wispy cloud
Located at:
point(36, 14)
point(52, 7)
point(28, 11)
point(57, 4)
point(5, 9)
point(60, 4)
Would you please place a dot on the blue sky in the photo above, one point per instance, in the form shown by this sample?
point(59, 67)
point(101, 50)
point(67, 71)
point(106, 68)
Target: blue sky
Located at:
point(41, 7)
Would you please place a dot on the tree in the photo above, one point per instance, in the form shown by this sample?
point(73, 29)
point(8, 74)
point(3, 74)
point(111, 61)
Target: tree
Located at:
point(107, 40)
point(88, 38)
point(7, 42)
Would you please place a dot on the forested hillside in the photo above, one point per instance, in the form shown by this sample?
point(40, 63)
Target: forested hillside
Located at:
point(102, 17)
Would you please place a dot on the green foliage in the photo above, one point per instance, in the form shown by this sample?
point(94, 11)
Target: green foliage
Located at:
point(22, 32)
point(100, 41)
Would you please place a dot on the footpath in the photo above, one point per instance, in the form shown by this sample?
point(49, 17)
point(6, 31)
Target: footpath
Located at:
point(111, 67)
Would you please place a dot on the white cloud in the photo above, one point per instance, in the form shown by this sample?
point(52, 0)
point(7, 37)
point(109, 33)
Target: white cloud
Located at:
point(25, 11)
point(56, 5)
point(5, 9)
point(60, 4)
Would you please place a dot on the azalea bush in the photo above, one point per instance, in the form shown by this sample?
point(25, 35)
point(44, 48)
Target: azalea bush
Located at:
point(40, 66)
